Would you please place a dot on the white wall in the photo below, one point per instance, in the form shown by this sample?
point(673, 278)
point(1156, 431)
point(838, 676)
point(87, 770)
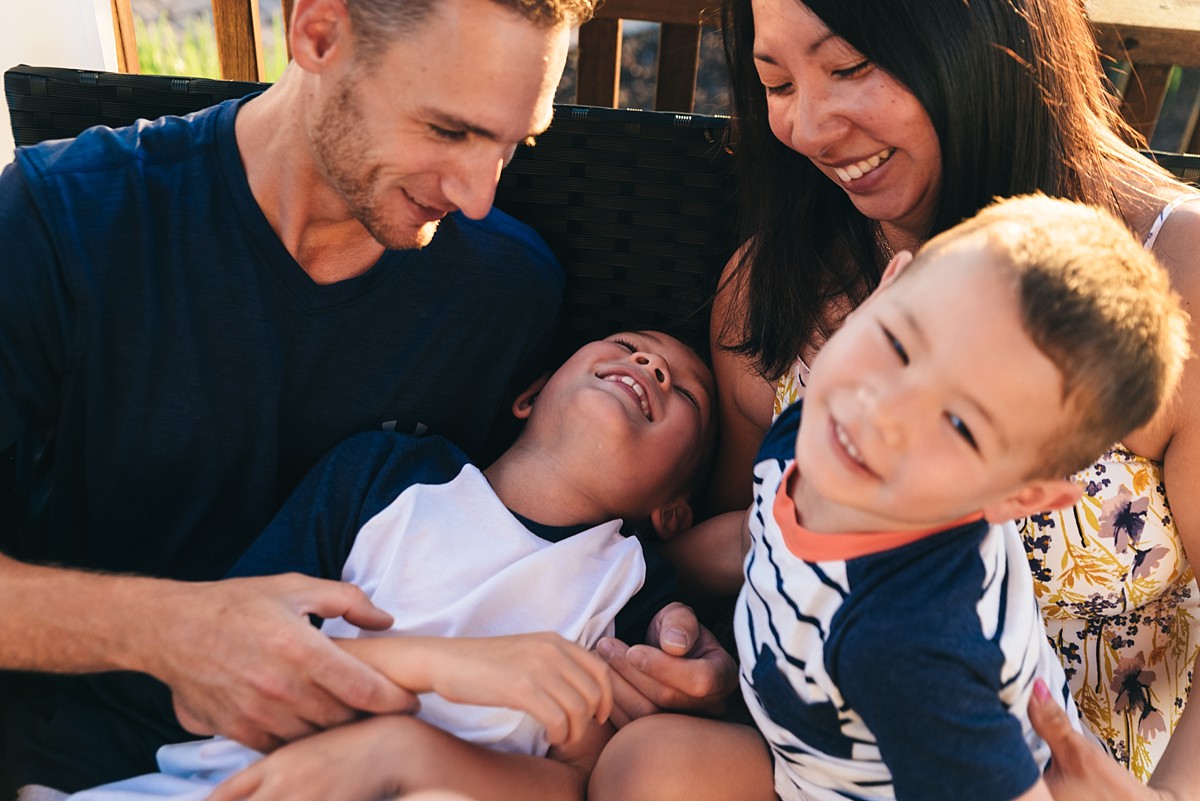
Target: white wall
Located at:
point(53, 33)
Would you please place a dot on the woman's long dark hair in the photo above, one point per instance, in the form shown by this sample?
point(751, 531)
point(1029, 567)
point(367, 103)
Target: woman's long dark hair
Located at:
point(1015, 94)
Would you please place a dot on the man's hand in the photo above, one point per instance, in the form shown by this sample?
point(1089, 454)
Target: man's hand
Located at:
point(681, 667)
point(243, 660)
point(1079, 769)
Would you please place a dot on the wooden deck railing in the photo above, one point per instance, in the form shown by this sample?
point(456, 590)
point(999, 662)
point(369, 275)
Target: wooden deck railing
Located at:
point(1150, 38)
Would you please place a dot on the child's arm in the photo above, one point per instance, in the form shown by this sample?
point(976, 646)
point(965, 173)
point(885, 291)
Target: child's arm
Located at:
point(709, 555)
point(1039, 792)
point(386, 756)
point(564, 687)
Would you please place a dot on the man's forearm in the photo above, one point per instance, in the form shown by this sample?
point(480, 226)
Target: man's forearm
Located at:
point(68, 621)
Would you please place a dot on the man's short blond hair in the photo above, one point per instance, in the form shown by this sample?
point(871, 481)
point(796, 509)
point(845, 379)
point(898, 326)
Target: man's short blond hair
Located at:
point(1098, 305)
point(380, 23)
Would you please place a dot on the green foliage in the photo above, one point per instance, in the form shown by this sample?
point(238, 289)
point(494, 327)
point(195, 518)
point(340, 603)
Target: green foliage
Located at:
point(189, 47)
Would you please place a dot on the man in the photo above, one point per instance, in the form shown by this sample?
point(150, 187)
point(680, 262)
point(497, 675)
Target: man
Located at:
point(191, 312)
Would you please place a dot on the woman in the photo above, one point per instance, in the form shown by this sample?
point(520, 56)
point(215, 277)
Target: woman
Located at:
point(865, 128)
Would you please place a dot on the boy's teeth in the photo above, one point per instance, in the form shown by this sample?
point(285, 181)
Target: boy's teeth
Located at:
point(637, 390)
point(844, 439)
point(856, 171)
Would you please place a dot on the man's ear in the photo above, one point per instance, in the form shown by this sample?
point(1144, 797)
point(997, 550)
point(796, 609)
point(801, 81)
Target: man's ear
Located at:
point(895, 267)
point(523, 405)
point(318, 27)
point(1044, 495)
point(671, 518)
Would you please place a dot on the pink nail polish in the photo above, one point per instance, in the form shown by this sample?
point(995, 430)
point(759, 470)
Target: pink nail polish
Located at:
point(1040, 690)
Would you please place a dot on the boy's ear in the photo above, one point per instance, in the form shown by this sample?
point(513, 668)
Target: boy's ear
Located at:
point(1043, 495)
point(895, 267)
point(523, 405)
point(671, 518)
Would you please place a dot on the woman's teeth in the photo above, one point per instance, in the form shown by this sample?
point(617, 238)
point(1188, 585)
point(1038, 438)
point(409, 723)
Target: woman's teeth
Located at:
point(856, 171)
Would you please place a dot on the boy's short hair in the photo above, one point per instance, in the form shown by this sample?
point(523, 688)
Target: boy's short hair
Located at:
point(1098, 305)
point(380, 23)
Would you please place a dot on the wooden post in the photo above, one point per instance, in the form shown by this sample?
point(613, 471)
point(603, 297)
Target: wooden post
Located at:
point(678, 65)
point(599, 69)
point(598, 72)
point(238, 39)
point(288, 5)
point(1153, 39)
point(127, 56)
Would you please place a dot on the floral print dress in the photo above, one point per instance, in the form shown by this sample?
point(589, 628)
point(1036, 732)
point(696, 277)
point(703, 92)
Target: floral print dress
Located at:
point(1119, 600)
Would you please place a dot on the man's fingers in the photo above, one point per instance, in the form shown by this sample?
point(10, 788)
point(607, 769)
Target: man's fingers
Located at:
point(361, 612)
point(355, 684)
point(190, 722)
point(326, 598)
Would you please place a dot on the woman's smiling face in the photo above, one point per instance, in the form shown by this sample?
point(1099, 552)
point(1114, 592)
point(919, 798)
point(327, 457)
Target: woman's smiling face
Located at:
point(860, 126)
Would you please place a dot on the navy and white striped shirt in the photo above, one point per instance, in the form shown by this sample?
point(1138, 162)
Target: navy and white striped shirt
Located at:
point(885, 666)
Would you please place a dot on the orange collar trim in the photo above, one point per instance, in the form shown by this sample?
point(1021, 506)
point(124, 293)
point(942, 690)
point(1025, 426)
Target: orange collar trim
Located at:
point(815, 546)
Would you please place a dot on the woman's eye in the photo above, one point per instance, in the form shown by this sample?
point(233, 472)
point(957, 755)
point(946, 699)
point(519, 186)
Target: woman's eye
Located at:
point(897, 346)
point(961, 429)
point(855, 70)
point(447, 134)
point(778, 89)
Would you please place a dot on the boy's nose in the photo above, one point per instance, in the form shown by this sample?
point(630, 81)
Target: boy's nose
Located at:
point(655, 363)
point(891, 410)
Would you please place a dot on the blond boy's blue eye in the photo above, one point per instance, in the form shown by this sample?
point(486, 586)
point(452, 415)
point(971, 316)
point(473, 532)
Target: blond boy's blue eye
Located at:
point(962, 430)
point(896, 345)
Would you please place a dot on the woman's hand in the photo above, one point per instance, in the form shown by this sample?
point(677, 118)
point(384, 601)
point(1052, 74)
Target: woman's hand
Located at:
point(1079, 769)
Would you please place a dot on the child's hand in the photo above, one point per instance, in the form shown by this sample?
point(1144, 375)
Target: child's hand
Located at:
point(560, 684)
